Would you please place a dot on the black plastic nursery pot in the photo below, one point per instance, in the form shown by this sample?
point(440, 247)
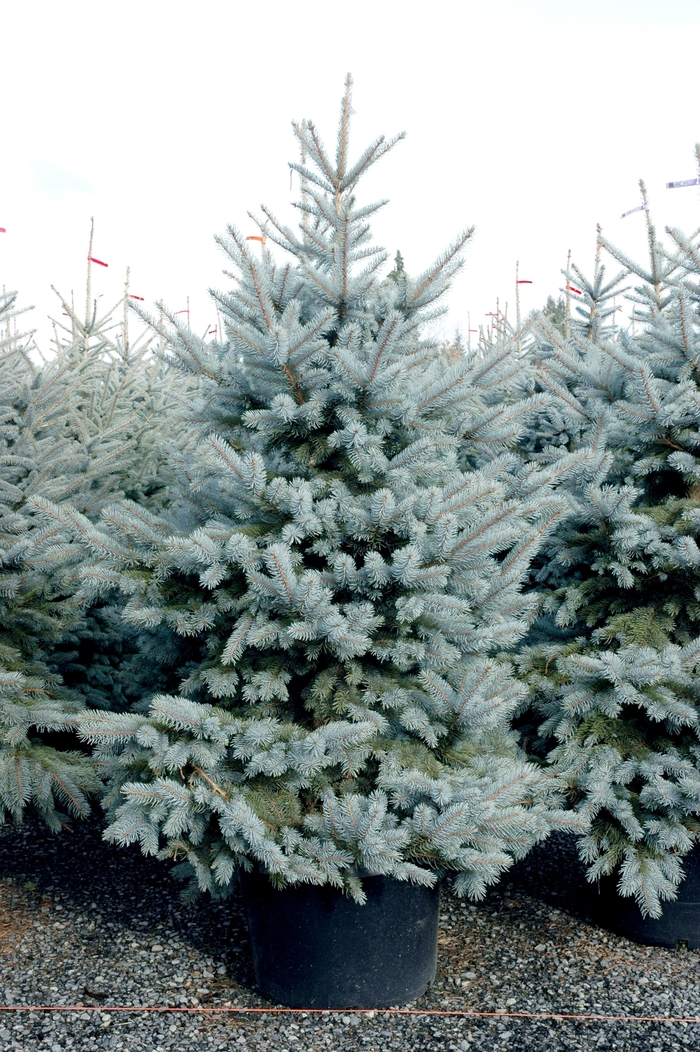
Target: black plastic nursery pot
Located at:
point(314, 947)
point(678, 926)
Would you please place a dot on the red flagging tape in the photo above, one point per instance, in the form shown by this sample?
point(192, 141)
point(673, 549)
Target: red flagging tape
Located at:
point(464, 1012)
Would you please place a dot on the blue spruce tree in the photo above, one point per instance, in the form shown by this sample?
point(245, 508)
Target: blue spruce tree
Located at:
point(40, 453)
point(339, 572)
point(130, 412)
point(613, 660)
point(79, 429)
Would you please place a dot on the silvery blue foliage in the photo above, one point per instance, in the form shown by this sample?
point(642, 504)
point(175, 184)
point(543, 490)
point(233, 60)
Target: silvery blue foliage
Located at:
point(342, 567)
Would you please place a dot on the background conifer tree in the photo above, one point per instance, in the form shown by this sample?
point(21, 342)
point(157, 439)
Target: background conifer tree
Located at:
point(555, 313)
point(132, 407)
point(41, 452)
point(80, 428)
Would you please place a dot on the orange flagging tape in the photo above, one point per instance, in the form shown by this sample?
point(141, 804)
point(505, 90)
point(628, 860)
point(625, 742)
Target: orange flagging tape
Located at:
point(467, 1013)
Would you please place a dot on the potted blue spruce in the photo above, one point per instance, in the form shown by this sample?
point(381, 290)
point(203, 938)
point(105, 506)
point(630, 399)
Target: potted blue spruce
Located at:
point(338, 587)
point(614, 659)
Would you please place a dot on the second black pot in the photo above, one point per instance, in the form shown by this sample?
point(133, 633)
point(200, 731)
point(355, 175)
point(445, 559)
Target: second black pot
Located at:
point(314, 947)
point(679, 924)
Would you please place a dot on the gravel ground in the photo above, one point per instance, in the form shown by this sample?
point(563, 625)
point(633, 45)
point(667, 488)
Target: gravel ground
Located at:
point(83, 923)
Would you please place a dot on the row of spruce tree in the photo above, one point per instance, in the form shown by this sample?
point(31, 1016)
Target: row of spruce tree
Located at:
point(320, 597)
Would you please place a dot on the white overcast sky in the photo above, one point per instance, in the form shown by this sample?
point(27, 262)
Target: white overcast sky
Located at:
point(166, 120)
